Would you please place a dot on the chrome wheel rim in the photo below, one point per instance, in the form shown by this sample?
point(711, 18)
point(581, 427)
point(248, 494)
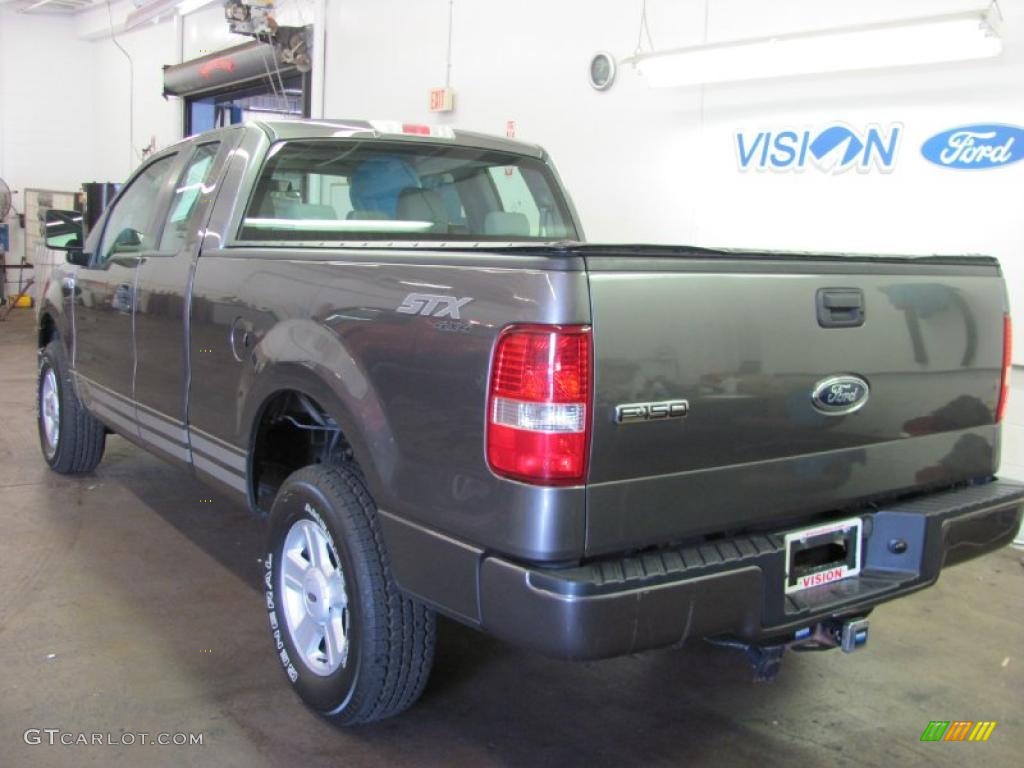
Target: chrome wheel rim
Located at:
point(49, 407)
point(312, 584)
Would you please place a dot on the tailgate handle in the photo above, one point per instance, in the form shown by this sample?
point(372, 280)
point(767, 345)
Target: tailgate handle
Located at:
point(840, 307)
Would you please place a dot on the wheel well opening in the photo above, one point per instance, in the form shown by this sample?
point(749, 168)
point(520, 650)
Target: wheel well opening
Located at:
point(47, 330)
point(294, 431)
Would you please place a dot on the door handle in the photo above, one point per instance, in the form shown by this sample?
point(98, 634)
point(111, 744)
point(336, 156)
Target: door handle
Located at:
point(122, 299)
point(840, 307)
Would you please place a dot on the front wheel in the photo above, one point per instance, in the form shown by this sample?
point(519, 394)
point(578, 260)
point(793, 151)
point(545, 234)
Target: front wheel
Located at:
point(353, 646)
point(72, 440)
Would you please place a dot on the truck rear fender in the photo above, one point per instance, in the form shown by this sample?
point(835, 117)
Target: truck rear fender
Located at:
point(305, 357)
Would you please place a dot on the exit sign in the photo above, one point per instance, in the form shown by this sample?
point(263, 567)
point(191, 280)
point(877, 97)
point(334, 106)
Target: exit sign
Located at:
point(442, 100)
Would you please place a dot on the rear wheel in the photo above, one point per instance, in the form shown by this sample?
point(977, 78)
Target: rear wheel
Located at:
point(353, 646)
point(72, 440)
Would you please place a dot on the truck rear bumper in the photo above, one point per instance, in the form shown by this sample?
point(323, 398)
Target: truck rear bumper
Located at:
point(735, 587)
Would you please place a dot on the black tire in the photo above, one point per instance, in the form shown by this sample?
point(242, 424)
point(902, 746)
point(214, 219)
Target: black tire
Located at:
point(390, 638)
point(81, 438)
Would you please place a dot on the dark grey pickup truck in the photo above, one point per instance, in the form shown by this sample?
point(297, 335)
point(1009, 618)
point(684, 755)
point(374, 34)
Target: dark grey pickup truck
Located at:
point(392, 341)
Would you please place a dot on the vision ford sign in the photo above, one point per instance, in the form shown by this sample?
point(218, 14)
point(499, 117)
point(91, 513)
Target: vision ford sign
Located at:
point(975, 147)
point(837, 395)
point(832, 149)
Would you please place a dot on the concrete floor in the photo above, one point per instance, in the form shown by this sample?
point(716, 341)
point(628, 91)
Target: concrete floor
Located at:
point(130, 604)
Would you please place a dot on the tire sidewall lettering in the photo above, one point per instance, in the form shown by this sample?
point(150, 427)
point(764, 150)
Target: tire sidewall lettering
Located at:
point(276, 628)
point(275, 624)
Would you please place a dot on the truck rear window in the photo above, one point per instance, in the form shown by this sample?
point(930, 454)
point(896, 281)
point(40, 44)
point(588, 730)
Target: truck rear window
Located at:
point(336, 190)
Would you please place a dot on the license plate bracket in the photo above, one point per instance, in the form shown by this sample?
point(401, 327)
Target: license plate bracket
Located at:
point(823, 554)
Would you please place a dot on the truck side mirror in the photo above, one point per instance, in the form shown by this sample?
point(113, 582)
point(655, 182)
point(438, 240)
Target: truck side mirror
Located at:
point(64, 230)
point(128, 240)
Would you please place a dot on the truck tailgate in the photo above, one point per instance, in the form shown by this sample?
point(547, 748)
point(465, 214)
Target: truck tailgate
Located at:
point(745, 339)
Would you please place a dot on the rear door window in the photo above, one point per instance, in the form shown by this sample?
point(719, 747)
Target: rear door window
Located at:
point(192, 185)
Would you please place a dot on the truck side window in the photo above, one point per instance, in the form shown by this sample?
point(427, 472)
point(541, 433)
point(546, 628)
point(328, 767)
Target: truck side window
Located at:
point(191, 186)
point(129, 225)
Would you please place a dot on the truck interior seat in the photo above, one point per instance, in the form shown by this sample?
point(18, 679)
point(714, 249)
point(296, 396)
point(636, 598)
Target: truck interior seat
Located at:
point(293, 210)
point(506, 223)
point(415, 204)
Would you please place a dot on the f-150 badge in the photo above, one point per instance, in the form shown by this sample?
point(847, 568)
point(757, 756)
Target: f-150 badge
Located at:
point(431, 305)
point(634, 413)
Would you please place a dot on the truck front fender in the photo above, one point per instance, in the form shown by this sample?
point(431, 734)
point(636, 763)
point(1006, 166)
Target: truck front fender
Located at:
point(52, 318)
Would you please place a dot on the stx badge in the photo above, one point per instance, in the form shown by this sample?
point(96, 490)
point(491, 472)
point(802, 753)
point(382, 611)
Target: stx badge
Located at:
point(432, 305)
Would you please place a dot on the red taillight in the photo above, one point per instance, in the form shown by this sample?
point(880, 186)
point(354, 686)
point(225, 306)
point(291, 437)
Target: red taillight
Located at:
point(1004, 385)
point(538, 409)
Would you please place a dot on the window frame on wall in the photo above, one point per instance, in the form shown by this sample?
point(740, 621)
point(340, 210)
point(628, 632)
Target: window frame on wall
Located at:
point(303, 78)
point(257, 67)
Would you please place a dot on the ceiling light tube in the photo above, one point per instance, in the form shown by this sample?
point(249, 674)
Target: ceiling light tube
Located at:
point(953, 37)
point(32, 7)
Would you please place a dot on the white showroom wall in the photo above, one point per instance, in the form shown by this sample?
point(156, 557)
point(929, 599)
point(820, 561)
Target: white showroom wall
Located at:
point(45, 104)
point(153, 119)
point(129, 104)
point(46, 109)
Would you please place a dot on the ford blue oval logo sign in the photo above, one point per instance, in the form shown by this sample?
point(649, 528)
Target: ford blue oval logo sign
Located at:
point(837, 395)
point(974, 147)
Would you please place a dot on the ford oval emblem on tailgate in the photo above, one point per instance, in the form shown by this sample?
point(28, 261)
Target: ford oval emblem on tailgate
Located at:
point(837, 395)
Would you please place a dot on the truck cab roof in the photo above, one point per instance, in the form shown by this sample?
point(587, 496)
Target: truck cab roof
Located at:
point(282, 130)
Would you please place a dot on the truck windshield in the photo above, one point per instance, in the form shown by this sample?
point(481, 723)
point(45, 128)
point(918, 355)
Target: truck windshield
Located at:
point(334, 189)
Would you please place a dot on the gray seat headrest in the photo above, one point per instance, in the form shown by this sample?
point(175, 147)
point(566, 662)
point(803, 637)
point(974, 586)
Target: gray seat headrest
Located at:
point(416, 204)
point(506, 223)
point(293, 209)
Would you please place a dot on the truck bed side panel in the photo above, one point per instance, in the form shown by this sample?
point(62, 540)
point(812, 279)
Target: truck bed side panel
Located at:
point(410, 388)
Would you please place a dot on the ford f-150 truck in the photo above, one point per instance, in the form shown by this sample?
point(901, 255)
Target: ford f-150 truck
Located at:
point(392, 341)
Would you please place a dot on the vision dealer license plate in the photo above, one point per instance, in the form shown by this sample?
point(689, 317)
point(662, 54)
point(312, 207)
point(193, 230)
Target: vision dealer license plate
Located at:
point(823, 554)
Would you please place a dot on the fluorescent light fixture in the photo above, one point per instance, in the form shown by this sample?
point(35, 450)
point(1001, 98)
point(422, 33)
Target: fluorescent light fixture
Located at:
point(32, 7)
point(160, 10)
point(953, 37)
point(186, 7)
